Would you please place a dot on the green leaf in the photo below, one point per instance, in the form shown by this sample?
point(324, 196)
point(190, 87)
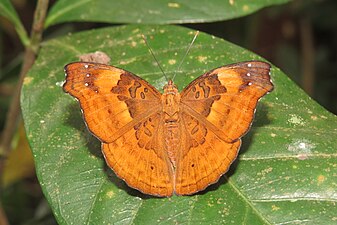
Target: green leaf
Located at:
point(7, 11)
point(153, 11)
point(285, 172)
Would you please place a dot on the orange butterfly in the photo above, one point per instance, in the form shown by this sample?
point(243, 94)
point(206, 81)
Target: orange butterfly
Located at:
point(173, 142)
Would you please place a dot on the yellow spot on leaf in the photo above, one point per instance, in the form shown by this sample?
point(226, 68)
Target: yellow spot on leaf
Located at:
point(314, 117)
point(202, 58)
point(27, 80)
point(245, 8)
point(275, 208)
point(110, 194)
point(320, 179)
point(172, 61)
point(173, 5)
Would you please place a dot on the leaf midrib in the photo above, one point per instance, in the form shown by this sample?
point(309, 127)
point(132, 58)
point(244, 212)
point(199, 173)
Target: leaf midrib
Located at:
point(246, 200)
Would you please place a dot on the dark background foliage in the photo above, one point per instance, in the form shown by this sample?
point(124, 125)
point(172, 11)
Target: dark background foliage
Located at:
point(299, 37)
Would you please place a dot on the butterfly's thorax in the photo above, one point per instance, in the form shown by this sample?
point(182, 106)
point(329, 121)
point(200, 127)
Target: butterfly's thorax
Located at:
point(170, 102)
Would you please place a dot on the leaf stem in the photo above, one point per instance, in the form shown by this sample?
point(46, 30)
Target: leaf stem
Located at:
point(7, 11)
point(22, 34)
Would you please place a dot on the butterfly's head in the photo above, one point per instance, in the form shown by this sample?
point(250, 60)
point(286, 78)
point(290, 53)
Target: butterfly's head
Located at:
point(170, 88)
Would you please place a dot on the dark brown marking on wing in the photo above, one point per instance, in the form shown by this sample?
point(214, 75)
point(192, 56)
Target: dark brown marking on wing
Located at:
point(205, 88)
point(133, 89)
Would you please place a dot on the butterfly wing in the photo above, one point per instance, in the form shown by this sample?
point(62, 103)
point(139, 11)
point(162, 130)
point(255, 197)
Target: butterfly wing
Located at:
point(112, 99)
point(140, 161)
point(204, 156)
point(124, 112)
point(217, 110)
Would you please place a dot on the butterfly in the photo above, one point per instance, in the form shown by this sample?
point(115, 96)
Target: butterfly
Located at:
point(168, 143)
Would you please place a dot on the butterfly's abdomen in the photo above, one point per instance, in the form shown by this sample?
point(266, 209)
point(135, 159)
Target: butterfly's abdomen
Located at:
point(172, 140)
point(170, 102)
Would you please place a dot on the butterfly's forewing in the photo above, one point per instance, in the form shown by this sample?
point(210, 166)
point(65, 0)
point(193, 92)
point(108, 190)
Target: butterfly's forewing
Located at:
point(227, 97)
point(123, 111)
point(217, 110)
point(106, 94)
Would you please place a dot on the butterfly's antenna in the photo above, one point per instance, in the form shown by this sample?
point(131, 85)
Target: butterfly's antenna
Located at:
point(188, 49)
point(144, 38)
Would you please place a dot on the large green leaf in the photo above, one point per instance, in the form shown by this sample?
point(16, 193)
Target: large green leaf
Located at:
point(7, 11)
point(153, 11)
point(284, 174)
